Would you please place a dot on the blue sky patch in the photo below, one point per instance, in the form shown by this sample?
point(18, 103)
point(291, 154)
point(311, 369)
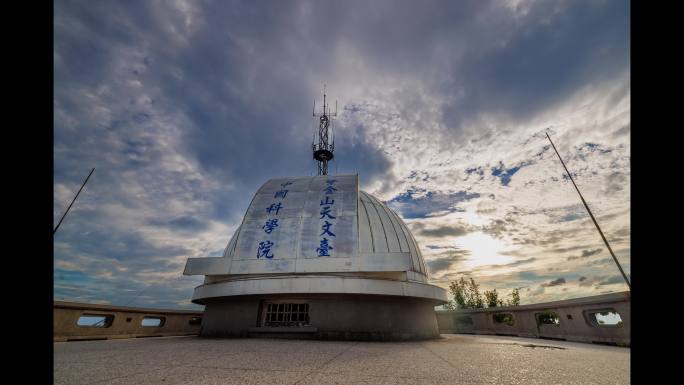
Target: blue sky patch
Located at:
point(420, 203)
point(505, 174)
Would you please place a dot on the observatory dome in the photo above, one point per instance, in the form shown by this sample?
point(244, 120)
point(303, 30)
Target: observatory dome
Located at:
point(381, 233)
point(318, 239)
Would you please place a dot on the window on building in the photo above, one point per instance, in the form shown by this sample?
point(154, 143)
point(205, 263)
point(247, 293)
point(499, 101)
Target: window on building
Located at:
point(153, 321)
point(607, 317)
point(548, 318)
point(504, 318)
point(95, 320)
point(286, 314)
point(195, 321)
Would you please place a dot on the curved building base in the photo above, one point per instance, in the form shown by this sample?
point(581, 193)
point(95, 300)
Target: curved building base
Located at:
point(328, 316)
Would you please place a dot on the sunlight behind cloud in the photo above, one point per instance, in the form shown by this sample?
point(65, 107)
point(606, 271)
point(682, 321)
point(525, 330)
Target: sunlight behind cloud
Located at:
point(484, 250)
point(473, 218)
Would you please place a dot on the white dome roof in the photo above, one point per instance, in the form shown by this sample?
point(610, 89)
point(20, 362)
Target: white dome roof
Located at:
point(361, 233)
point(319, 234)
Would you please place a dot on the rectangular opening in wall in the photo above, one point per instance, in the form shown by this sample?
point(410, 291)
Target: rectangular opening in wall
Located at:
point(95, 320)
point(463, 320)
point(605, 318)
point(286, 314)
point(153, 321)
point(504, 318)
point(195, 321)
point(548, 318)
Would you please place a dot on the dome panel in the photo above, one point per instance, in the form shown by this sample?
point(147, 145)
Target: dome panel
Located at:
point(365, 243)
point(377, 231)
point(396, 229)
point(390, 226)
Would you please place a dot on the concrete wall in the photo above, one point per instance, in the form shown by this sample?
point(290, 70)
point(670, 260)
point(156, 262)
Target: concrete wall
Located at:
point(353, 317)
point(579, 326)
point(339, 317)
point(126, 322)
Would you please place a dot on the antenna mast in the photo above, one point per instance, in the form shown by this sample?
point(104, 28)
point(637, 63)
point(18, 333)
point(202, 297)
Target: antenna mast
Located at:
point(323, 148)
point(72, 202)
point(629, 285)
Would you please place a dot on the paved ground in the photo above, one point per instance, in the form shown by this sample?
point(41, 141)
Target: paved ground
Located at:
point(453, 359)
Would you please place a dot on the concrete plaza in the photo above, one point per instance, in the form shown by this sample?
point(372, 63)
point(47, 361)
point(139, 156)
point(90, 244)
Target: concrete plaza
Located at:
point(452, 359)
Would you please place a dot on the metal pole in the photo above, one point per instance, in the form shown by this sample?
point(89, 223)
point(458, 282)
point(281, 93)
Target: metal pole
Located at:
point(591, 215)
point(74, 200)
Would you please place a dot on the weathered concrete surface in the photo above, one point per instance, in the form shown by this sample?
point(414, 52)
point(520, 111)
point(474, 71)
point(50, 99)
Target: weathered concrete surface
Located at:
point(453, 359)
point(126, 322)
point(575, 320)
point(335, 317)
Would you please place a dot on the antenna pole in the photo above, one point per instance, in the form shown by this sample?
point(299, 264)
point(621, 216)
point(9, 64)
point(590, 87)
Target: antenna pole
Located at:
point(72, 202)
point(592, 216)
point(324, 147)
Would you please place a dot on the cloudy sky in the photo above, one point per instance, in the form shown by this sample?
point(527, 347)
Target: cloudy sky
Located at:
point(186, 107)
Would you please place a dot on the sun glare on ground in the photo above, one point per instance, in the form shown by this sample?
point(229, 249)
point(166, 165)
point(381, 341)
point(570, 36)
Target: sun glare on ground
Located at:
point(484, 250)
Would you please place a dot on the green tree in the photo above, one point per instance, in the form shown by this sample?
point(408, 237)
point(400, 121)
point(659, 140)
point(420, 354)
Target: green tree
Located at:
point(458, 290)
point(491, 298)
point(474, 299)
point(515, 298)
point(467, 295)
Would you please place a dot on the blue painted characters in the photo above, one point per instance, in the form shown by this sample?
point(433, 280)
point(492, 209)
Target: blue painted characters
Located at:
point(325, 212)
point(327, 202)
point(282, 192)
point(324, 247)
point(326, 229)
point(265, 249)
point(329, 189)
point(274, 207)
point(270, 225)
point(326, 207)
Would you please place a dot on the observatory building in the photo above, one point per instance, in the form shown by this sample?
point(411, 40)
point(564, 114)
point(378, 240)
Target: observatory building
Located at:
point(317, 257)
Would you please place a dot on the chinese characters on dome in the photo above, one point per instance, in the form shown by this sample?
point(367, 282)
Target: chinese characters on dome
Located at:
point(264, 249)
point(270, 225)
point(326, 213)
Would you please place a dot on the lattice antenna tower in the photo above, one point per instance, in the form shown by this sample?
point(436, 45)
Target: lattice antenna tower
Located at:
point(324, 145)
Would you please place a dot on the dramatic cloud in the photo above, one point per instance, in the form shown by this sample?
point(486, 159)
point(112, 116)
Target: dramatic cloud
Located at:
point(443, 231)
point(604, 261)
point(440, 264)
point(555, 282)
point(586, 254)
point(611, 280)
point(186, 108)
point(521, 262)
point(598, 281)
